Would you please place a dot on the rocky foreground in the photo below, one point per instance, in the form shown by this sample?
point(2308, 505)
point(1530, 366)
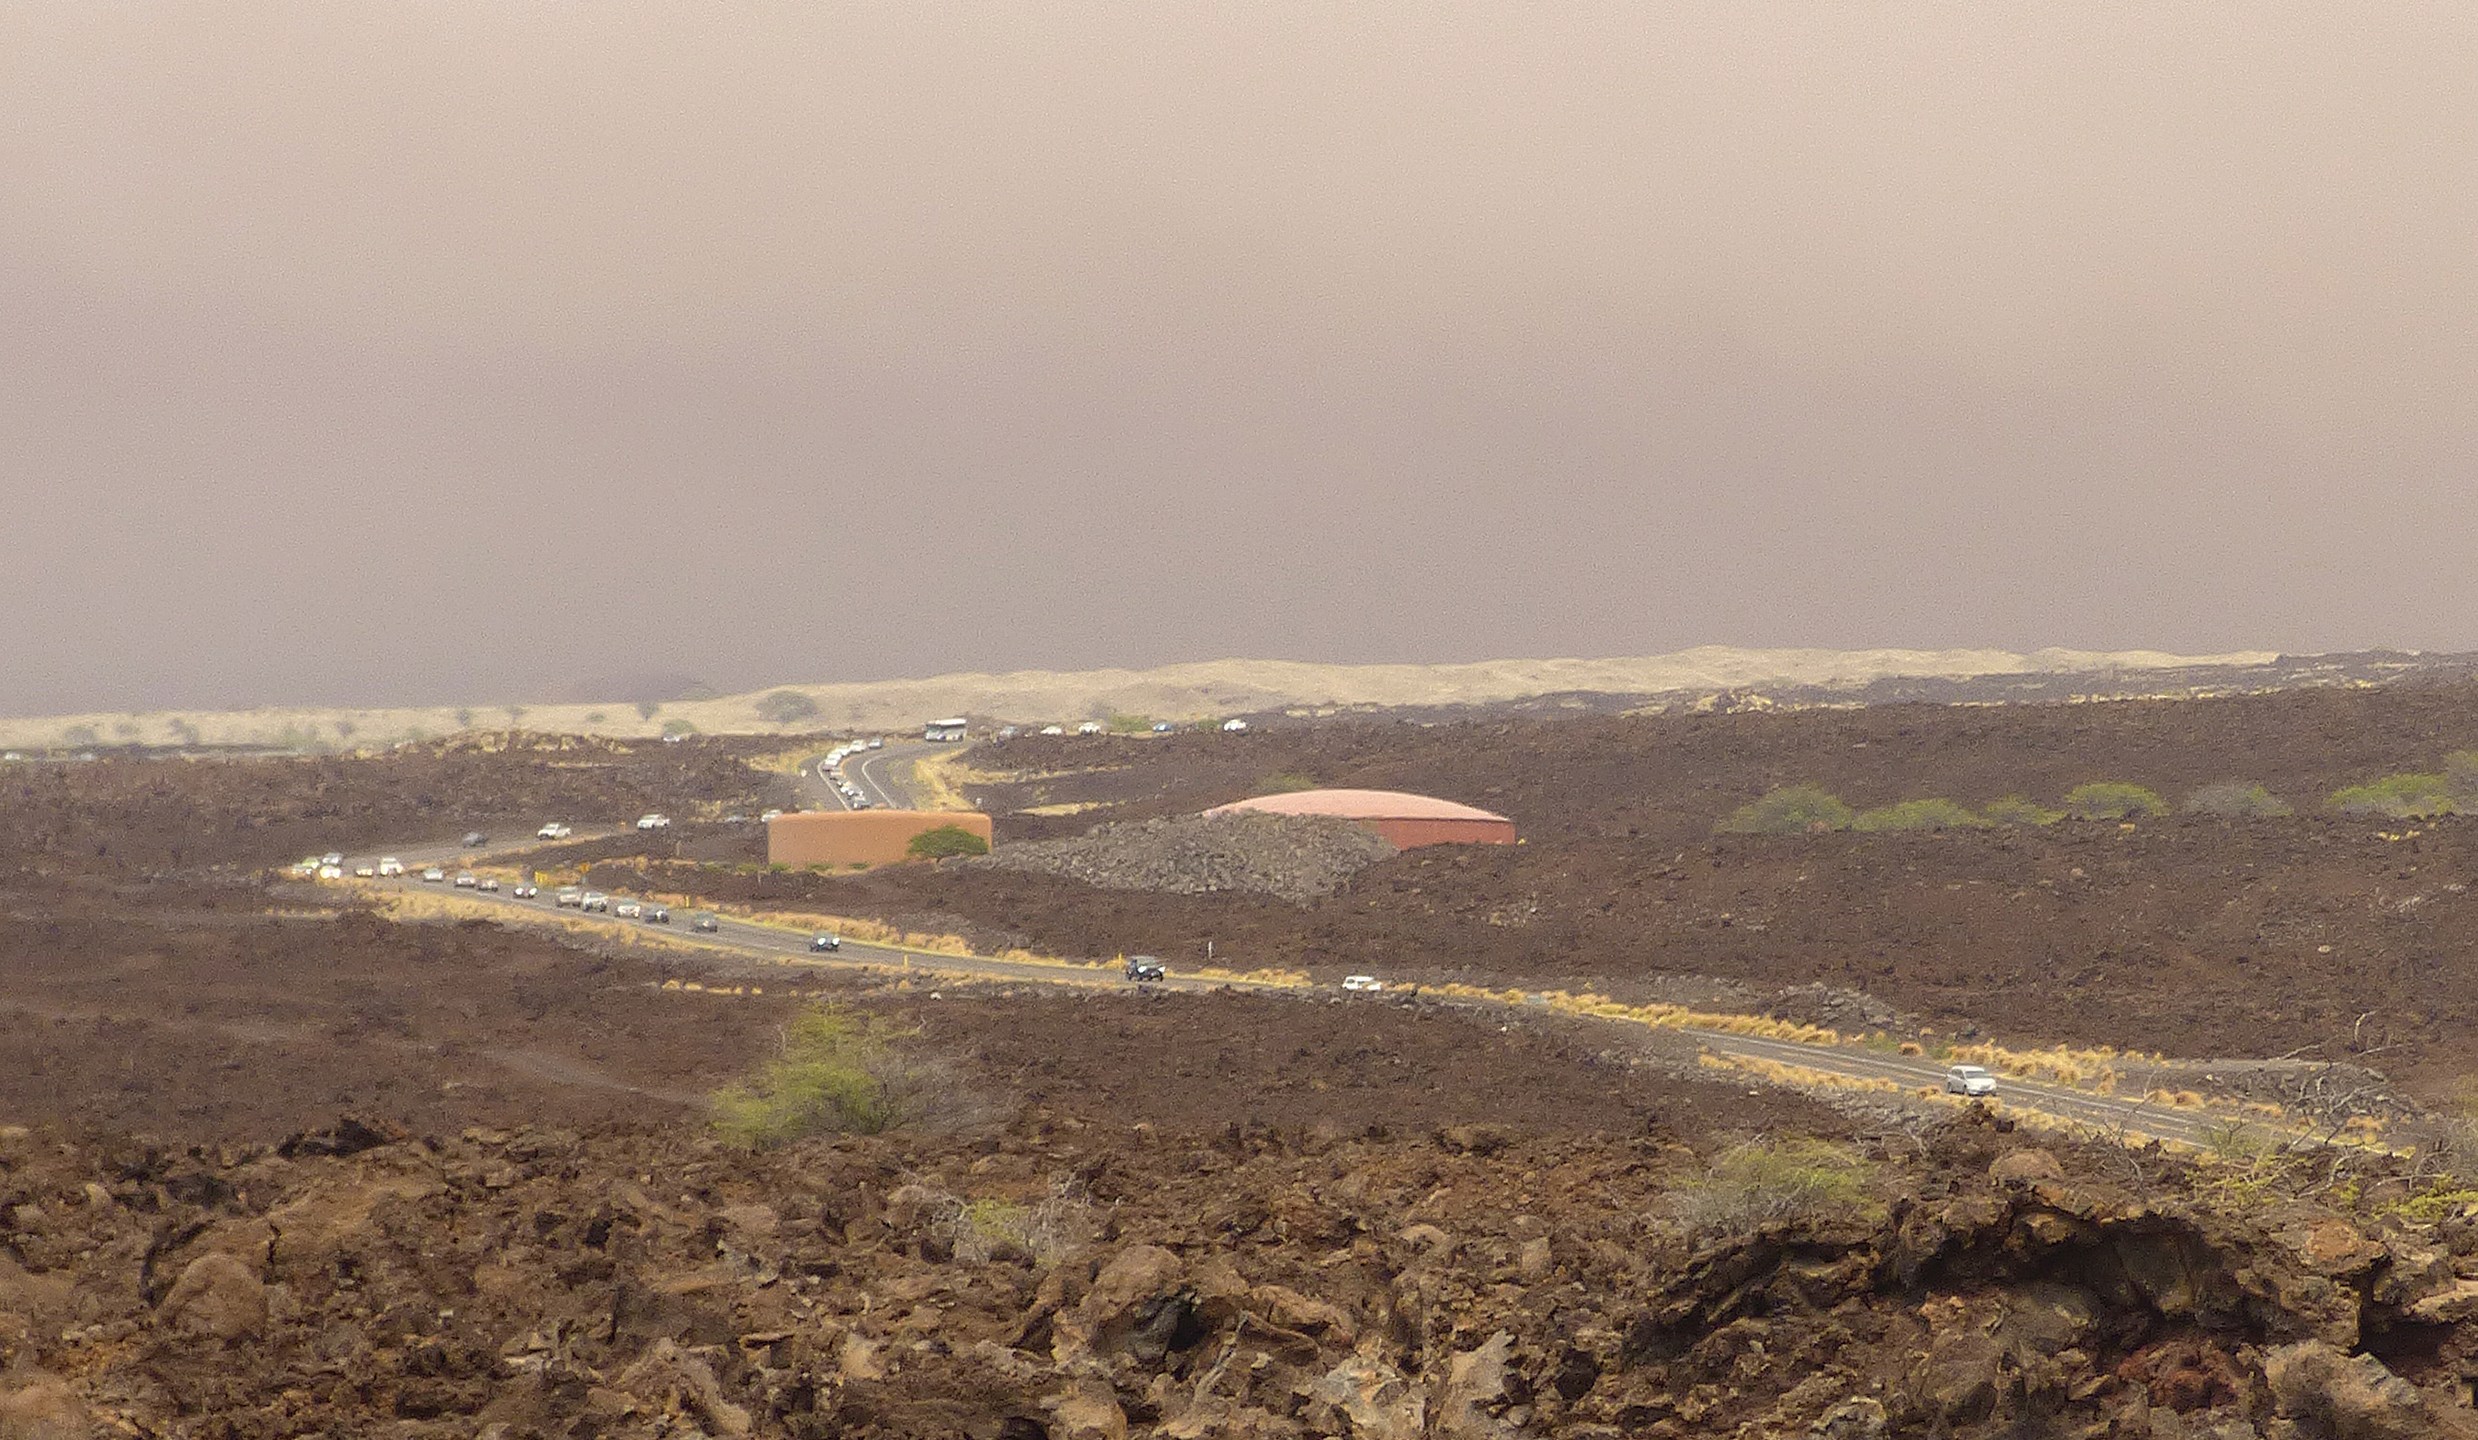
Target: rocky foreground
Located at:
point(1056, 1279)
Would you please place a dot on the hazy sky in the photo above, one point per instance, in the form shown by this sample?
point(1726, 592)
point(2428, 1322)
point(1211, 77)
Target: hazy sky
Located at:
point(455, 351)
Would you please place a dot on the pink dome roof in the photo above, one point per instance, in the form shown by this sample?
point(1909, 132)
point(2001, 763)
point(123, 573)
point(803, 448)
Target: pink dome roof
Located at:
point(1357, 805)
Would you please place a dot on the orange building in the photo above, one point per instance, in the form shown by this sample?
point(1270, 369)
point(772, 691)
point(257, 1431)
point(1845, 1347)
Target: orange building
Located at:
point(858, 837)
point(1407, 820)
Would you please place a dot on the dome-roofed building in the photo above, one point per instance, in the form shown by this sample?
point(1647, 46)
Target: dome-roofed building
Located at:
point(1406, 820)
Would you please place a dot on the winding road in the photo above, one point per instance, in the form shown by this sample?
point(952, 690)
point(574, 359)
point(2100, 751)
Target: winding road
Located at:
point(2109, 1115)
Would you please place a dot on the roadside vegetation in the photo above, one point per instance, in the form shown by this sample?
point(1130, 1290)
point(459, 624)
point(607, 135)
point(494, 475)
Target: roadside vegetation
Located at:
point(838, 1072)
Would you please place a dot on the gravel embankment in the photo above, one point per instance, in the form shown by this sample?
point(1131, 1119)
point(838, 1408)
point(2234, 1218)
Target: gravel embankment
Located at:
point(1296, 858)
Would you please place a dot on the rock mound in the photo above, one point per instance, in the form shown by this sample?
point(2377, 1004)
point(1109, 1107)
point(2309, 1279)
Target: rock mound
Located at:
point(1294, 857)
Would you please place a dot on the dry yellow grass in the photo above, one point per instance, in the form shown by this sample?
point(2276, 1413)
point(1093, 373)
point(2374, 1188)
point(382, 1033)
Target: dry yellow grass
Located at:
point(938, 781)
point(1188, 691)
point(1779, 1072)
point(2091, 1069)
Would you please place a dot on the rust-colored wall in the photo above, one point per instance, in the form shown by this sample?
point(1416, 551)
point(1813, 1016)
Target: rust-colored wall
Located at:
point(1409, 834)
point(857, 837)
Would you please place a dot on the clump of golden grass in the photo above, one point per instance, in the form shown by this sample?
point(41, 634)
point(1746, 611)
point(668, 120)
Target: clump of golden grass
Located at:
point(1779, 1072)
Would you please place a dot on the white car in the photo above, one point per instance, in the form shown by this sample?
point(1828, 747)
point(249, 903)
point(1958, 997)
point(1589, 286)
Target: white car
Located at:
point(364, 872)
point(390, 867)
point(877, 742)
point(1089, 727)
point(1971, 1080)
point(771, 815)
point(433, 875)
point(1053, 729)
point(1362, 982)
point(489, 882)
point(332, 857)
point(1233, 727)
point(553, 831)
point(594, 900)
point(567, 897)
point(628, 909)
point(467, 880)
point(654, 822)
point(330, 872)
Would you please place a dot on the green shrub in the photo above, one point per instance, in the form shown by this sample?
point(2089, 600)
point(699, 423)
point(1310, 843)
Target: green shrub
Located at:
point(1774, 1182)
point(2020, 810)
point(1284, 782)
point(2112, 800)
point(1790, 810)
point(838, 1073)
point(595, 717)
point(2235, 799)
point(2398, 796)
point(782, 707)
point(1125, 724)
point(945, 842)
point(1931, 814)
point(679, 727)
point(648, 709)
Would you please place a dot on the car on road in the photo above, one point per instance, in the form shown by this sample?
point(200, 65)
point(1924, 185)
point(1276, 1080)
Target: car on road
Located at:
point(654, 822)
point(473, 838)
point(1163, 727)
point(735, 818)
point(1145, 968)
point(490, 883)
point(568, 896)
point(365, 872)
point(825, 942)
point(628, 909)
point(1362, 982)
point(525, 890)
point(1969, 1080)
point(390, 866)
point(877, 742)
point(771, 815)
point(332, 857)
point(1233, 726)
point(433, 875)
point(553, 831)
point(330, 872)
point(704, 924)
point(594, 900)
point(657, 914)
point(467, 880)
point(1053, 729)
point(1008, 732)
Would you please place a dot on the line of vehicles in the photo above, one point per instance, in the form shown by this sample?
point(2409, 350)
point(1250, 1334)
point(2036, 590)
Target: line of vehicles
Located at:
point(831, 768)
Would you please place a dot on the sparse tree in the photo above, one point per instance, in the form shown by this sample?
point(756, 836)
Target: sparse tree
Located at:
point(1790, 810)
point(464, 719)
point(785, 707)
point(516, 715)
point(945, 842)
point(648, 709)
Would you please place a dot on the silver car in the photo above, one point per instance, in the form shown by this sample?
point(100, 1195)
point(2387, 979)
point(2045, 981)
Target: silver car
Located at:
point(1970, 1080)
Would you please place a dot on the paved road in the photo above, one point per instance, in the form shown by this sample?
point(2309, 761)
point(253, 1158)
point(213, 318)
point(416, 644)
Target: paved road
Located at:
point(869, 772)
point(2107, 1114)
point(773, 942)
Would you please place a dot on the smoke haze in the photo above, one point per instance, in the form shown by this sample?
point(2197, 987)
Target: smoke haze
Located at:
point(356, 354)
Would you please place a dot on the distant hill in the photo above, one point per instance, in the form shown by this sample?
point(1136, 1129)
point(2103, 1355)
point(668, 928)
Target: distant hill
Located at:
point(1708, 678)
